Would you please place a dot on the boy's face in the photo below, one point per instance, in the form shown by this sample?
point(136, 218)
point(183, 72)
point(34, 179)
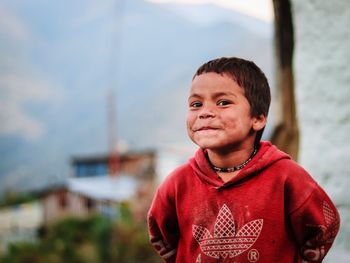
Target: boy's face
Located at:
point(219, 116)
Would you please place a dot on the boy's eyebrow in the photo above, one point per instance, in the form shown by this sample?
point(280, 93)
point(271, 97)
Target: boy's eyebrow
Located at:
point(228, 93)
point(194, 95)
point(215, 95)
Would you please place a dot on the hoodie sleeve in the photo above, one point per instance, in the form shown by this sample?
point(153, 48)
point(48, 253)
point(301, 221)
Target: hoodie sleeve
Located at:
point(314, 219)
point(162, 224)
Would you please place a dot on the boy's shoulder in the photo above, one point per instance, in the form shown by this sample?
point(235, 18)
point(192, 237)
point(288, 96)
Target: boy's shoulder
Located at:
point(279, 158)
point(179, 173)
point(293, 175)
point(280, 163)
point(290, 165)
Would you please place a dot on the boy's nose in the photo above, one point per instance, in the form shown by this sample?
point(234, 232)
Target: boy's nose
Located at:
point(206, 113)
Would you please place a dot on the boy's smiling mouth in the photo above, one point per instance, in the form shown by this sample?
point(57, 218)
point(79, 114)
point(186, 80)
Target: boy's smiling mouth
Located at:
point(206, 128)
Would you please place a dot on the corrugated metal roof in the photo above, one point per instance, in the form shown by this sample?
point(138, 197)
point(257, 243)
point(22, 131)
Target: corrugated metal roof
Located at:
point(118, 188)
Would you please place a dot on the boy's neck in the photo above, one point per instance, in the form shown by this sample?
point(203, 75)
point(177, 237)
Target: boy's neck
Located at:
point(225, 159)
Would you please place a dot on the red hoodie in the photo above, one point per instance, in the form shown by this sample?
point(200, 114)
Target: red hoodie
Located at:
point(272, 211)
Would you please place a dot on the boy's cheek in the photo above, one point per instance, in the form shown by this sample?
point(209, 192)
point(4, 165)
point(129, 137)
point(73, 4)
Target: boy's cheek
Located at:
point(189, 121)
point(190, 133)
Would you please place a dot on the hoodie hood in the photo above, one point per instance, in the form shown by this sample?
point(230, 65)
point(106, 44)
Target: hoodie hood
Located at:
point(266, 156)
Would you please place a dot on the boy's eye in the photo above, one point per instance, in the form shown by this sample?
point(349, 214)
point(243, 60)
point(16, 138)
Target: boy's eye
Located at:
point(223, 102)
point(196, 104)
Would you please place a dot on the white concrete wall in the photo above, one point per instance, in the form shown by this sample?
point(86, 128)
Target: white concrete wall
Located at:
point(322, 78)
point(19, 223)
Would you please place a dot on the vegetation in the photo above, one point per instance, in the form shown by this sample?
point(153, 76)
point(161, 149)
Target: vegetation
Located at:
point(13, 198)
point(93, 240)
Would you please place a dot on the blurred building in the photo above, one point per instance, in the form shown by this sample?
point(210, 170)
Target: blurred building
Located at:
point(99, 184)
point(136, 164)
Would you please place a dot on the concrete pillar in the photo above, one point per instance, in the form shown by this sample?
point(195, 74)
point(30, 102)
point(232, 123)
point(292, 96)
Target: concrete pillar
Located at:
point(322, 86)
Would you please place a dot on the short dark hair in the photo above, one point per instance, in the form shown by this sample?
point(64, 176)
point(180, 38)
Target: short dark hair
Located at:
point(248, 76)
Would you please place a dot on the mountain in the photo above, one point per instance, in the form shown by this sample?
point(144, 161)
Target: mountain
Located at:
point(145, 52)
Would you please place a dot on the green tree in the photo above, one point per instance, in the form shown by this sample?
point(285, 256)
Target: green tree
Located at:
point(93, 240)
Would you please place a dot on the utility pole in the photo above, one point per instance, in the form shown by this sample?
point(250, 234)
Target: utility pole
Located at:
point(113, 154)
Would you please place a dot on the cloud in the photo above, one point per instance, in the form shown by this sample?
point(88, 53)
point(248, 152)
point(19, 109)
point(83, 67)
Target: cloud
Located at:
point(93, 11)
point(15, 121)
point(15, 92)
point(261, 9)
point(21, 80)
point(20, 179)
point(11, 25)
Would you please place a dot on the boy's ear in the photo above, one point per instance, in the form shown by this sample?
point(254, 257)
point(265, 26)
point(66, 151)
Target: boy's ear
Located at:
point(259, 122)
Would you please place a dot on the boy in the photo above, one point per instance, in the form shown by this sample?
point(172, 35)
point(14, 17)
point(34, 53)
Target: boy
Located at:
point(238, 199)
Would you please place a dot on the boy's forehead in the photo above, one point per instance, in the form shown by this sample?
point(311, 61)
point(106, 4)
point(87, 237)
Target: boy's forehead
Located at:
point(214, 76)
point(213, 79)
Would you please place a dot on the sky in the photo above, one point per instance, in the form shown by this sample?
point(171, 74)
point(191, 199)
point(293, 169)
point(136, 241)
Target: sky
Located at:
point(31, 83)
point(53, 53)
point(261, 9)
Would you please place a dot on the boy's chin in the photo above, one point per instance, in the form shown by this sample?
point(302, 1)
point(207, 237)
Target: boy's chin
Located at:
point(210, 146)
point(221, 148)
